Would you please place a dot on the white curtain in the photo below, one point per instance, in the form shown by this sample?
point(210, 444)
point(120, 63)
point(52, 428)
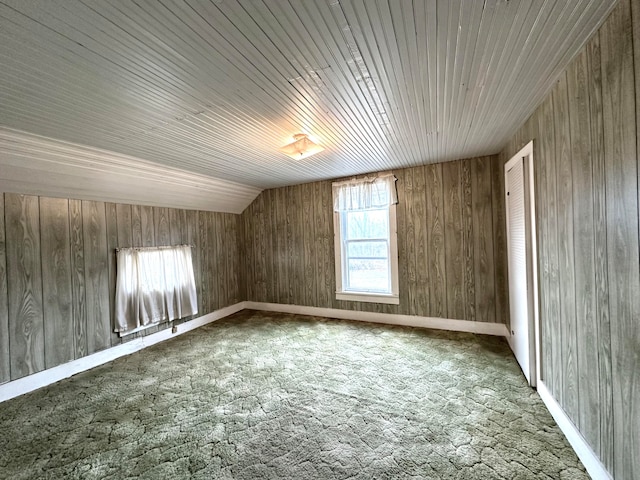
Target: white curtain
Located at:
point(368, 192)
point(153, 284)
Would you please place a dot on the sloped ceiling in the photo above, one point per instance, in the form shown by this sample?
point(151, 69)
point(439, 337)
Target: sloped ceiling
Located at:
point(214, 88)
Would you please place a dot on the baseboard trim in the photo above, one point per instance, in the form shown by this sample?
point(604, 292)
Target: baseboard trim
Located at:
point(47, 377)
point(485, 328)
point(587, 456)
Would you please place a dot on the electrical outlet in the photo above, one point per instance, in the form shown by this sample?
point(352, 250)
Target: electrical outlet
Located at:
point(174, 329)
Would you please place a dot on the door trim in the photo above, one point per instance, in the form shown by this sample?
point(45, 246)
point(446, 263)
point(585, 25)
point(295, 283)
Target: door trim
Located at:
point(526, 155)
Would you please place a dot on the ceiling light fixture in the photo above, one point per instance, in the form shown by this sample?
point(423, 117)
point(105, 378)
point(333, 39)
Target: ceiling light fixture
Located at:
point(301, 148)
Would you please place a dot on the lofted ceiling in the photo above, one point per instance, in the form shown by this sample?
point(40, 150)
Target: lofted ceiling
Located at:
point(214, 88)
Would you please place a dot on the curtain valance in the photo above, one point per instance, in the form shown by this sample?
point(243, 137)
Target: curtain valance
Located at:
point(368, 192)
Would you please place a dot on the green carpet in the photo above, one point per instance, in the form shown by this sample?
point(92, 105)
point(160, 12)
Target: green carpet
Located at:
point(282, 396)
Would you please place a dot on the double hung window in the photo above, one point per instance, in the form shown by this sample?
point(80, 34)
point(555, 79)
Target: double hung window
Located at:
point(366, 240)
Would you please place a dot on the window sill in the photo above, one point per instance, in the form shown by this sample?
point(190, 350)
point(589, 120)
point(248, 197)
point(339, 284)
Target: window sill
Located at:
point(368, 297)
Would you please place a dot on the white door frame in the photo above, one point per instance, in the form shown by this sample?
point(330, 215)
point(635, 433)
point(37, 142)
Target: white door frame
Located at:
point(526, 155)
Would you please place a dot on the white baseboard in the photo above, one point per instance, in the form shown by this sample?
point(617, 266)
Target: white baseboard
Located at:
point(485, 328)
point(55, 374)
point(587, 456)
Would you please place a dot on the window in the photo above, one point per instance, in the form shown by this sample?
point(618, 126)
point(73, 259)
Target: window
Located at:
point(366, 240)
point(153, 284)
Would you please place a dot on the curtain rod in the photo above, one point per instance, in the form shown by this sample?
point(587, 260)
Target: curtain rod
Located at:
point(160, 247)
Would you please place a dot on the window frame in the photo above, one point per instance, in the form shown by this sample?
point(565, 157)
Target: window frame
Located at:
point(392, 298)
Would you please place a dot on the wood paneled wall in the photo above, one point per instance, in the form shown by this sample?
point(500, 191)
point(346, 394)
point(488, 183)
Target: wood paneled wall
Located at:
point(58, 272)
point(586, 175)
point(451, 244)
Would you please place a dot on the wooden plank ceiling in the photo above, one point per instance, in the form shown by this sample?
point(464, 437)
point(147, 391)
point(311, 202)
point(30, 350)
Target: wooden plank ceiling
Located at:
point(214, 88)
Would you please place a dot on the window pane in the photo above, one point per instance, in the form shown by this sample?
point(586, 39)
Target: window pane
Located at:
point(367, 249)
point(368, 275)
point(367, 224)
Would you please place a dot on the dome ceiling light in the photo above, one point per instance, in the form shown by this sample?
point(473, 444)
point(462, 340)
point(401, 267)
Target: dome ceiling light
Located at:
point(302, 147)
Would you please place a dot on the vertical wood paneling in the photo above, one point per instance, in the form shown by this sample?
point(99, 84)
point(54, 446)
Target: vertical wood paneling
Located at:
point(603, 326)
point(147, 228)
point(588, 240)
point(420, 230)
point(499, 241)
point(544, 272)
point(96, 276)
point(233, 259)
point(621, 176)
point(403, 251)
point(192, 238)
point(79, 309)
point(268, 247)
point(136, 225)
point(454, 249)
point(566, 277)
point(124, 225)
point(410, 282)
point(483, 268)
point(62, 256)
point(24, 281)
point(468, 241)
point(161, 227)
point(309, 285)
point(433, 260)
point(553, 318)
point(281, 244)
point(177, 221)
point(218, 265)
point(583, 216)
point(5, 370)
point(325, 259)
point(436, 241)
point(112, 244)
point(205, 253)
point(56, 281)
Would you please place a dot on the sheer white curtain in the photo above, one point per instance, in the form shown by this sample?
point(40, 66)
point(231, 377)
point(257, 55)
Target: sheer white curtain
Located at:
point(153, 284)
point(368, 192)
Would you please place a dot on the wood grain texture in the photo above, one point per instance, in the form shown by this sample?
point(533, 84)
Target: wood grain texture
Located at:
point(603, 324)
point(147, 228)
point(621, 176)
point(124, 225)
point(56, 281)
point(161, 226)
point(79, 307)
point(499, 241)
point(566, 275)
point(586, 173)
point(112, 244)
point(483, 268)
point(63, 258)
point(454, 248)
point(436, 241)
point(469, 236)
point(410, 281)
point(24, 281)
point(309, 285)
point(403, 251)
point(192, 238)
point(421, 295)
point(297, 222)
point(545, 149)
point(588, 380)
point(218, 264)
point(96, 268)
point(553, 318)
point(5, 359)
point(205, 254)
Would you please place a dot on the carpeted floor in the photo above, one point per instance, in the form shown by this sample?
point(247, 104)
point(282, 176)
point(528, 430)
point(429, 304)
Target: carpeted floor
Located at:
point(281, 396)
